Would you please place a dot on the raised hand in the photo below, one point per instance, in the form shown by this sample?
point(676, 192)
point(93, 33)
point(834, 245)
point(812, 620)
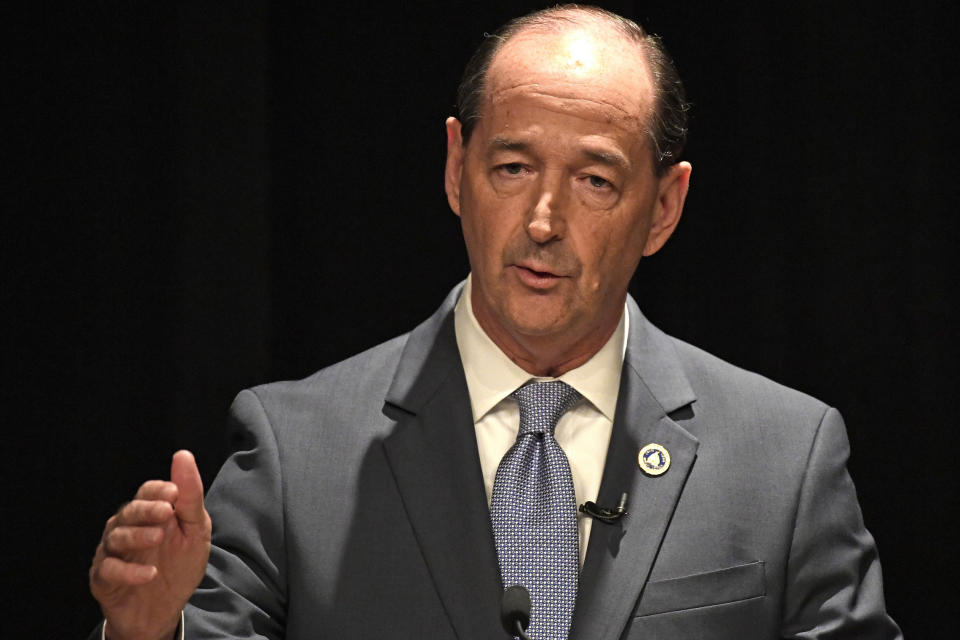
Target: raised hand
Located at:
point(152, 555)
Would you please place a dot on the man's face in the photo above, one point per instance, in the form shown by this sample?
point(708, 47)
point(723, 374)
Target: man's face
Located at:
point(556, 189)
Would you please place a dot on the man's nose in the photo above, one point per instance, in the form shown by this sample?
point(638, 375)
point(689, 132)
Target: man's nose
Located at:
point(546, 219)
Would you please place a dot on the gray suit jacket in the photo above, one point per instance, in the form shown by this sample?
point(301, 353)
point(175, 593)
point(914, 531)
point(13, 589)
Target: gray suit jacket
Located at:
point(354, 507)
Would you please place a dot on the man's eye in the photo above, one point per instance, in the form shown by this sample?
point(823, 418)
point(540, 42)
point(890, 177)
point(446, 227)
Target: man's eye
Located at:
point(512, 168)
point(598, 183)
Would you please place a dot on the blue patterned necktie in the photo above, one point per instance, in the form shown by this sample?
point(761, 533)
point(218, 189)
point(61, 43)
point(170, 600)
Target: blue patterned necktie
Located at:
point(534, 511)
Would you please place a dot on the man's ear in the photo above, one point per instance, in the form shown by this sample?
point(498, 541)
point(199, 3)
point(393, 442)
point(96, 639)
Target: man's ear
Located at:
point(455, 153)
point(671, 193)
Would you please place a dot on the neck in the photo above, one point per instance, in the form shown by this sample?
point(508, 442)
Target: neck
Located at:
point(546, 355)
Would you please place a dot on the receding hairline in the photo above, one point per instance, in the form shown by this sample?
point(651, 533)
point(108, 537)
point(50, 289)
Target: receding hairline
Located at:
point(570, 19)
point(663, 101)
point(642, 68)
point(572, 16)
point(596, 23)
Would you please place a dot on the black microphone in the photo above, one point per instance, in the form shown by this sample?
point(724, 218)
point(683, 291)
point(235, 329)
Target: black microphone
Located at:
point(605, 514)
point(515, 611)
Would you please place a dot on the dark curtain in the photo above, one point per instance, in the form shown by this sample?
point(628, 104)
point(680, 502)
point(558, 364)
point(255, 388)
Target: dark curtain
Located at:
point(206, 196)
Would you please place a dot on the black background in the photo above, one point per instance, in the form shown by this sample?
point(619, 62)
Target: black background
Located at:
point(206, 196)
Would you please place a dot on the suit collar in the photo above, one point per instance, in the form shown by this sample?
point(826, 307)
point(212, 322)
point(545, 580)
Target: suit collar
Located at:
point(430, 353)
point(650, 354)
point(653, 358)
point(492, 375)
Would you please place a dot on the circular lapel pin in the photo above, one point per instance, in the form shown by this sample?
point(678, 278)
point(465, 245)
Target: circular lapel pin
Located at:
point(654, 459)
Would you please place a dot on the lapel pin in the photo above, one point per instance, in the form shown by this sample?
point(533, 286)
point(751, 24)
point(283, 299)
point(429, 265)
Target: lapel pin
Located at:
point(654, 459)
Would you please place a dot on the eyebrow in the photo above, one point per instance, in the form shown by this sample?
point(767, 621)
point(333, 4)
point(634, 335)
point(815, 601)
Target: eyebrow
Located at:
point(609, 158)
point(505, 144)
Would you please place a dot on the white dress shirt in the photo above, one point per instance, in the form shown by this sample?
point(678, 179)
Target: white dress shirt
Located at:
point(583, 432)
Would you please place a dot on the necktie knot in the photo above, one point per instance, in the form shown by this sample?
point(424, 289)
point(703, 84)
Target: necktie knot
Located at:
point(542, 404)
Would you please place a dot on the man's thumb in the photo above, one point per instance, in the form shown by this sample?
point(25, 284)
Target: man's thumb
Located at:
point(184, 474)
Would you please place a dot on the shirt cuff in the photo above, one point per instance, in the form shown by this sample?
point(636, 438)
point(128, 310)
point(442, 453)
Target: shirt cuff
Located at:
point(178, 635)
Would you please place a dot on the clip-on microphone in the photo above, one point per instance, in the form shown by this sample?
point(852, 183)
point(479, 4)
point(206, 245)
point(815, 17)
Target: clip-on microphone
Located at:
point(603, 513)
point(515, 611)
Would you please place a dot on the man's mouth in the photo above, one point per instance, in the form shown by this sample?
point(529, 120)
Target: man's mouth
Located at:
point(542, 274)
point(536, 276)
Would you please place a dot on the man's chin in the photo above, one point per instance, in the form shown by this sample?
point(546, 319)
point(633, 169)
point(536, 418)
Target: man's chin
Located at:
point(527, 318)
point(521, 316)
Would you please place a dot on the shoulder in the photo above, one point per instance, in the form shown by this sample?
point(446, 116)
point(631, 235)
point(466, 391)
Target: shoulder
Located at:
point(350, 390)
point(718, 381)
point(741, 415)
point(757, 438)
point(682, 376)
point(345, 401)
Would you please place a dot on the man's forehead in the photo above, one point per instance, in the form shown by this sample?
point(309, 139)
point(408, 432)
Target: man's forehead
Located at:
point(576, 62)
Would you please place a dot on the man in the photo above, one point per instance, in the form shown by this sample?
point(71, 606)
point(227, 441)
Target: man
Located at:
point(396, 494)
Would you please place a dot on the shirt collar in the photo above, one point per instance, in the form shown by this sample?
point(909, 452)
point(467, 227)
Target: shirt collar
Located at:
point(492, 376)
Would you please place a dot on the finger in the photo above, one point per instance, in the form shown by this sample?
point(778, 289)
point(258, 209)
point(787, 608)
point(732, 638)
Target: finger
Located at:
point(184, 473)
point(158, 490)
point(124, 540)
point(114, 572)
point(142, 512)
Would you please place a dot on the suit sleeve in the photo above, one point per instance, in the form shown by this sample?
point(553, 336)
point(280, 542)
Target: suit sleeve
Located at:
point(834, 588)
point(243, 594)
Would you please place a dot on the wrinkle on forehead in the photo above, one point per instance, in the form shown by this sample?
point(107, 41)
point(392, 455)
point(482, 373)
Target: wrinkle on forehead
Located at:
point(567, 99)
point(578, 65)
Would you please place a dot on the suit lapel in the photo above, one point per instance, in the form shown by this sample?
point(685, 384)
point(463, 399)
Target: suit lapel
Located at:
point(620, 556)
point(433, 456)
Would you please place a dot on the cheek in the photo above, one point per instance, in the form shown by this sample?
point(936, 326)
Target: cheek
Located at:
point(609, 253)
point(482, 235)
point(490, 224)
